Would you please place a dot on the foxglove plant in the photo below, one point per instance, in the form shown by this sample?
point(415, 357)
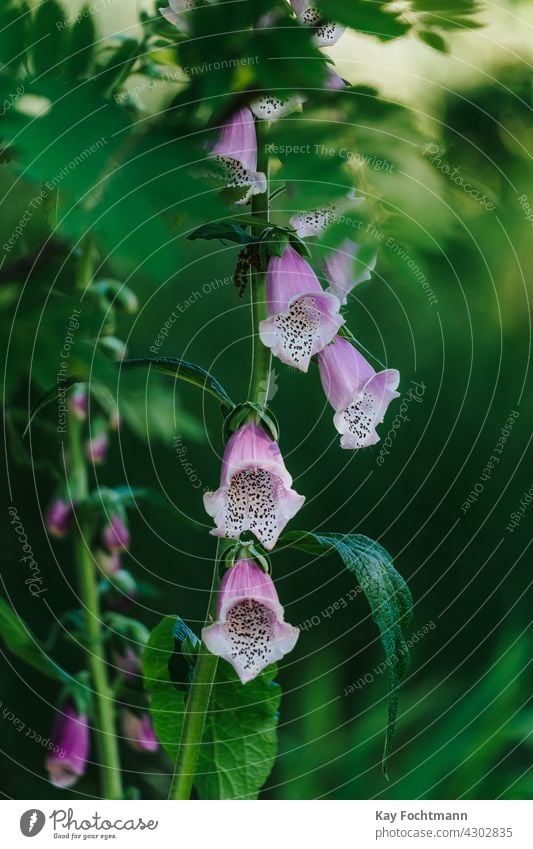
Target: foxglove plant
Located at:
point(70, 746)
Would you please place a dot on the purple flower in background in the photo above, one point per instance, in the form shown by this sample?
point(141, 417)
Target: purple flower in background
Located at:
point(116, 536)
point(138, 732)
point(302, 318)
point(107, 561)
point(96, 448)
point(174, 13)
point(338, 269)
point(250, 631)
point(128, 662)
point(70, 741)
point(326, 32)
point(78, 401)
point(236, 150)
point(255, 489)
point(358, 394)
point(58, 518)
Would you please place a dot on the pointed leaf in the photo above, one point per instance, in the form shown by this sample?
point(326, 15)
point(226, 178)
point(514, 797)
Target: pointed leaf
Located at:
point(183, 370)
point(387, 593)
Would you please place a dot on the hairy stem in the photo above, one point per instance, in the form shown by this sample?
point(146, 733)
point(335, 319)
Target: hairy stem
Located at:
point(199, 696)
point(111, 776)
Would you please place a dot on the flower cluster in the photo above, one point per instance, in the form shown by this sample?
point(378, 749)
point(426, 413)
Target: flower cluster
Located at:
point(303, 323)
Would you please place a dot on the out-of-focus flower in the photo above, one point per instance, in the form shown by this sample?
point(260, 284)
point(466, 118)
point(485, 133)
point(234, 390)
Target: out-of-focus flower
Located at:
point(128, 662)
point(338, 268)
point(358, 394)
point(70, 747)
point(302, 318)
point(250, 631)
point(175, 13)
point(138, 732)
point(315, 221)
point(96, 448)
point(78, 401)
point(236, 151)
point(255, 489)
point(107, 561)
point(326, 32)
point(116, 536)
point(58, 518)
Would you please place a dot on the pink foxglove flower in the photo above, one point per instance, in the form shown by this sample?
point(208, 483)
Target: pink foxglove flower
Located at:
point(268, 107)
point(255, 489)
point(174, 13)
point(70, 747)
point(138, 732)
point(358, 394)
point(250, 631)
point(116, 536)
point(302, 318)
point(338, 268)
point(326, 32)
point(58, 518)
point(236, 150)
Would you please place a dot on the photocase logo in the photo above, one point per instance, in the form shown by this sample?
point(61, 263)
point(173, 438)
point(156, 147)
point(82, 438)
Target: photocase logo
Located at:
point(32, 822)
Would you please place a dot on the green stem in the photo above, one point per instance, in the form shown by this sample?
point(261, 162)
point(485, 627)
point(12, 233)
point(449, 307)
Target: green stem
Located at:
point(199, 696)
point(105, 708)
point(261, 356)
point(196, 707)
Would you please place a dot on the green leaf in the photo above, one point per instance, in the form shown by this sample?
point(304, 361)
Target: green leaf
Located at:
point(47, 398)
point(118, 66)
point(183, 370)
point(223, 230)
point(81, 44)
point(433, 39)
point(387, 593)
point(379, 18)
point(20, 640)
point(167, 703)
point(48, 37)
point(239, 744)
point(13, 23)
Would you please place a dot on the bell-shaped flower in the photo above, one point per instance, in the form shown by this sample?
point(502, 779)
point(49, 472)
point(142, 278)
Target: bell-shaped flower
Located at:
point(116, 536)
point(70, 747)
point(326, 32)
point(236, 152)
point(314, 222)
point(358, 394)
point(255, 489)
point(138, 732)
point(302, 318)
point(338, 268)
point(250, 631)
point(58, 519)
point(269, 107)
point(175, 13)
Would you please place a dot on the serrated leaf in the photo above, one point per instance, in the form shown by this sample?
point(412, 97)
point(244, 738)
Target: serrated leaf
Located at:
point(387, 593)
point(183, 370)
point(239, 744)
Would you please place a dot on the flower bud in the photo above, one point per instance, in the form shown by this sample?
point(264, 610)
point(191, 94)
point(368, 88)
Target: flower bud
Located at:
point(138, 732)
point(116, 536)
point(78, 401)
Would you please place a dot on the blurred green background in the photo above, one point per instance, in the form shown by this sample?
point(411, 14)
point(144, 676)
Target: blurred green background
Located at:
point(465, 712)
